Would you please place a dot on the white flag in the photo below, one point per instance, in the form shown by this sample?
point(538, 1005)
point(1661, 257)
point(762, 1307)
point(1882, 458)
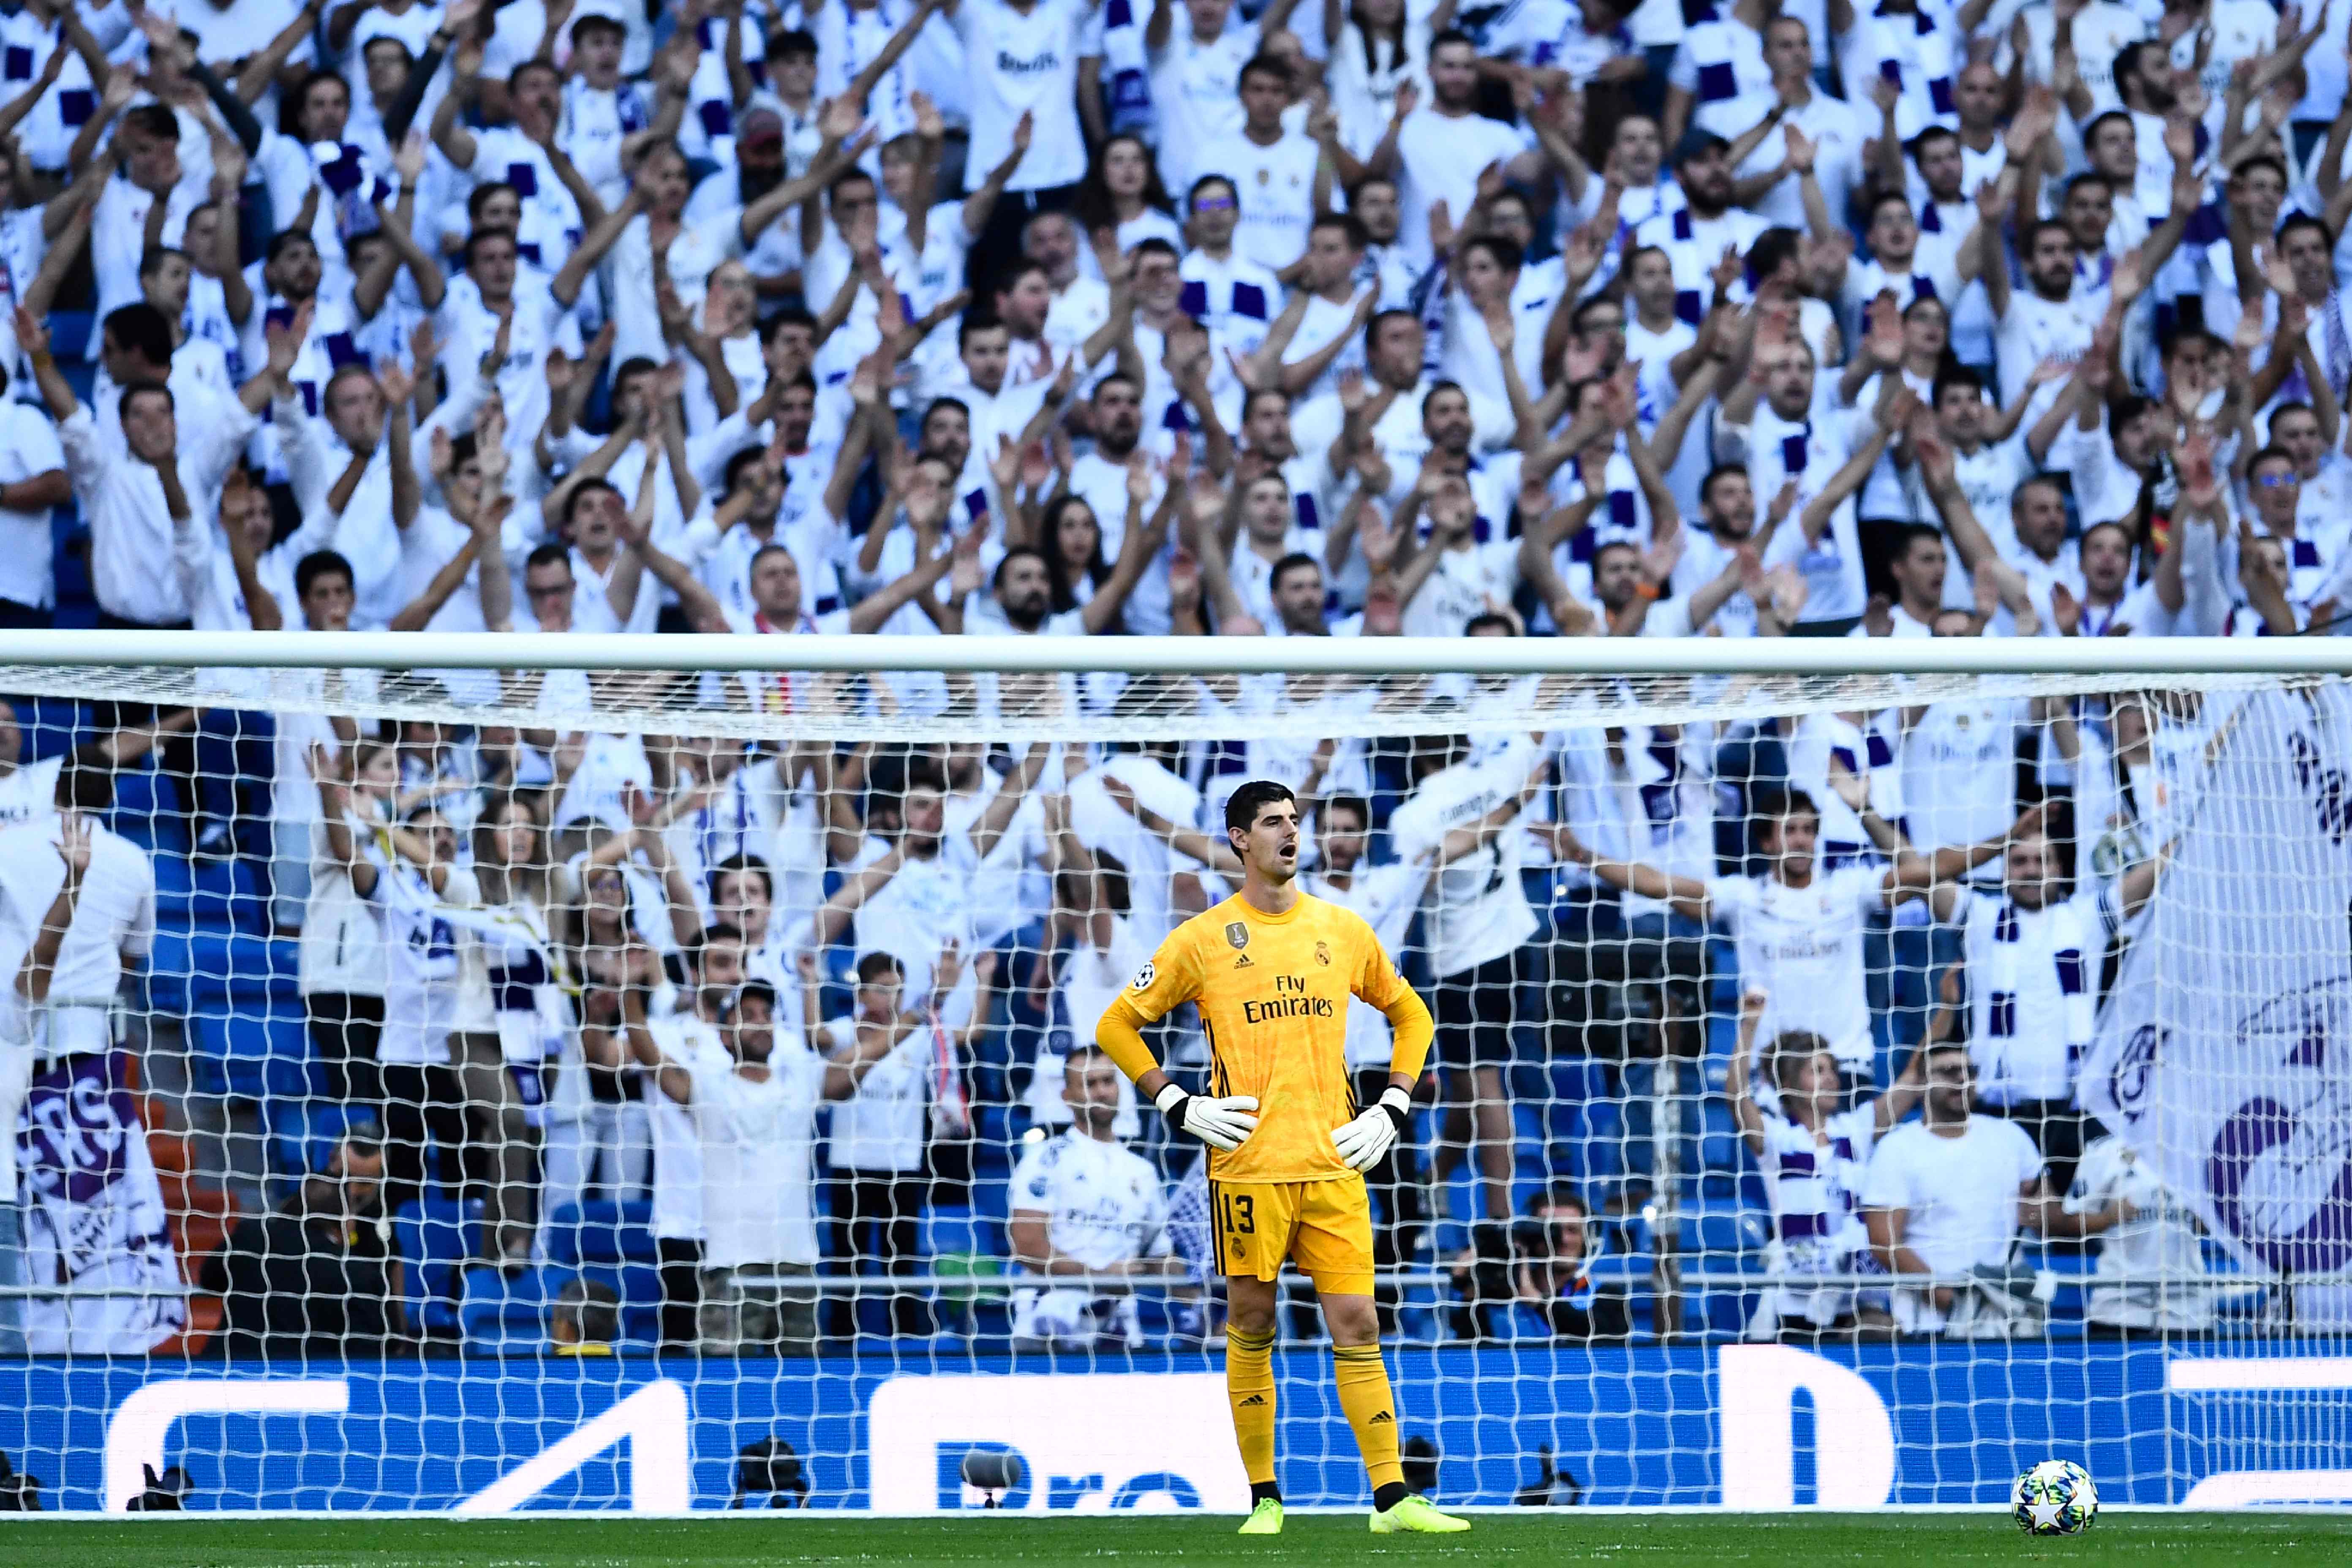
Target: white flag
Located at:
point(2224, 1055)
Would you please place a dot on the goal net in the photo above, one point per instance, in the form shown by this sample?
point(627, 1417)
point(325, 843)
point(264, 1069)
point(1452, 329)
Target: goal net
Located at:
point(645, 1078)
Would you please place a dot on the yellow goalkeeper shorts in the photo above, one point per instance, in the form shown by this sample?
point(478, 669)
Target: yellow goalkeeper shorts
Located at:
point(1325, 1228)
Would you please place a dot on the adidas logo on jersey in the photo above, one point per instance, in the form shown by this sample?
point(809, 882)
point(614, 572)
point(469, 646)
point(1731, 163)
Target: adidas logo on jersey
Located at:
point(1379, 1417)
point(1252, 1399)
point(1243, 962)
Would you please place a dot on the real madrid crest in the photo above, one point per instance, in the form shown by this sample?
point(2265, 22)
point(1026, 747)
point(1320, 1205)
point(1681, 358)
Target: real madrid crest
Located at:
point(1323, 952)
point(1237, 935)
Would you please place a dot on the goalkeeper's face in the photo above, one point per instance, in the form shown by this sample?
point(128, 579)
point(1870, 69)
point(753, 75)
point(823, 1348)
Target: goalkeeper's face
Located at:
point(1269, 846)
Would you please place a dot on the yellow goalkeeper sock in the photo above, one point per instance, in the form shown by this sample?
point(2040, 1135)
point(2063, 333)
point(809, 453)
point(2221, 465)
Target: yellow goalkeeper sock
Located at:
point(1363, 1380)
point(1249, 1388)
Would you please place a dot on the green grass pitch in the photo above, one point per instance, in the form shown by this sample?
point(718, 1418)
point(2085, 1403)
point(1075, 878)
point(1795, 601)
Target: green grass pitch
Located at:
point(1559, 1536)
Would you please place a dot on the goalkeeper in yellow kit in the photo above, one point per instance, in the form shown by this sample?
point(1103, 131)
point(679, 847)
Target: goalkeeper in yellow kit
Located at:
point(1272, 969)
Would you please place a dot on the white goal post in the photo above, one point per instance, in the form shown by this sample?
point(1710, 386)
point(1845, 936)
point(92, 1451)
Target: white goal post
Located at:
point(1631, 1254)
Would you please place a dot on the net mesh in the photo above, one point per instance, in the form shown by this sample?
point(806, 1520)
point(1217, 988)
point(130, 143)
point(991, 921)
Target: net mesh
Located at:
point(929, 706)
point(442, 1097)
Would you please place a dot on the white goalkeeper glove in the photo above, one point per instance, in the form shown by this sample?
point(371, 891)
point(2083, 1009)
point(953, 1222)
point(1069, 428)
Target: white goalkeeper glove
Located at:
point(1219, 1123)
point(1362, 1142)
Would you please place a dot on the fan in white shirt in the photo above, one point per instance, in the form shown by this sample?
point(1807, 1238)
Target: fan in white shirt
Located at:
point(753, 1088)
point(1081, 1203)
point(1812, 1150)
point(1798, 929)
point(78, 902)
point(1284, 177)
point(1446, 145)
point(1945, 1196)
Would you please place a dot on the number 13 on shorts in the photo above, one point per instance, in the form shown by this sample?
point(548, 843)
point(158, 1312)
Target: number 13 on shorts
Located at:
point(1325, 1228)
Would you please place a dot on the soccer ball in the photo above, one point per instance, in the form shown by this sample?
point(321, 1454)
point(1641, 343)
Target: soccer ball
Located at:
point(2056, 1497)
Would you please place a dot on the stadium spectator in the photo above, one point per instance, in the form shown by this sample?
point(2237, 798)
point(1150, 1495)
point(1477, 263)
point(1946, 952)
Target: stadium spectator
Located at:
point(1553, 1247)
point(1947, 1195)
point(552, 320)
point(1812, 1149)
point(753, 1102)
point(313, 1278)
point(586, 1319)
point(879, 1155)
point(1084, 1204)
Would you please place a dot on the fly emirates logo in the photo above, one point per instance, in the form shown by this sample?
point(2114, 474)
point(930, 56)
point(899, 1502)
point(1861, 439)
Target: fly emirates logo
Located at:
point(1289, 1000)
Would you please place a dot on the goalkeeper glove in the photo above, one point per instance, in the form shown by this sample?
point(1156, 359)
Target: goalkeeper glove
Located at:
point(1362, 1142)
point(1219, 1123)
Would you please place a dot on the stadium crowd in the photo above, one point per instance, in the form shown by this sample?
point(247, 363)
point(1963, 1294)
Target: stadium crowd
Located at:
point(1035, 317)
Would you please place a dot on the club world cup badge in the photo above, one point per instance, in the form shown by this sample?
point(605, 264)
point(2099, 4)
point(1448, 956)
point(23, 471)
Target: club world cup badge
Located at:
point(1237, 935)
point(1323, 954)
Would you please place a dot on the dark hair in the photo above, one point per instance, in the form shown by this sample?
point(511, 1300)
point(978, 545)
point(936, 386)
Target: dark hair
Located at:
point(2089, 177)
point(744, 863)
point(151, 259)
point(554, 553)
point(514, 77)
point(1772, 247)
point(1244, 805)
point(1721, 470)
point(158, 121)
point(736, 466)
point(1452, 36)
point(1093, 207)
point(1505, 254)
point(1381, 319)
point(2127, 65)
point(1348, 224)
point(1910, 533)
point(141, 327)
point(1096, 566)
point(1787, 1049)
point(877, 966)
point(321, 564)
point(1956, 375)
point(1257, 395)
point(586, 487)
point(1267, 65)
point(2305, 220)
point(1290, 564)
point(2260, 160)
point(937, 403)
point(2039, 226)
point(790, 43)
point(790, 316)
point(1881, 199)
point(1770, 804)
point(1355, 803)
point(284, 240)
point(2091, 131)
point(752, 991)
point(1484, 619)
point(480, 198)
point(592, 1307)
point(1932, 134)
point(977, 320)
point(143, 387)
point(2269, 453)
point(1016, 553)
point(1155, 245)
point(1192, 195)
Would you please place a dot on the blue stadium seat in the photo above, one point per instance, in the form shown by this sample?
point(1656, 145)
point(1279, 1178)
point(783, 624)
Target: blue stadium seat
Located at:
point(252, 1052)
point(602, 1233)
point(146, 811)
point(500, 1311)
point(436, 1237)
point(303, 1131)
point(71, 333)
point(638, 1286)
point(199, 966)
point(1720, 1238)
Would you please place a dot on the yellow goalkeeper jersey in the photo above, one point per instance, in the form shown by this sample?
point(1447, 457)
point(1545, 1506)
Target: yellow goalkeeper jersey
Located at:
point(1273, 992)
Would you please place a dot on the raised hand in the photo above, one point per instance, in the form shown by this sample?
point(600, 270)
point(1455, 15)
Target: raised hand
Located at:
point(1884, 340)
point(1800, 149)
point(394, 382)
point(32, 333)
point(408, 160)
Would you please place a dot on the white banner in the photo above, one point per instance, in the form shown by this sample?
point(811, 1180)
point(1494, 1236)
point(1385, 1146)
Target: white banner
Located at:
point(2224, 1056)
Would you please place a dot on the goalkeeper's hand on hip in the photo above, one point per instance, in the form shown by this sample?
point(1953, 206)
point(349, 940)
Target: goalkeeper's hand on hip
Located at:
point(1362, 1142)
point(1220, 1123)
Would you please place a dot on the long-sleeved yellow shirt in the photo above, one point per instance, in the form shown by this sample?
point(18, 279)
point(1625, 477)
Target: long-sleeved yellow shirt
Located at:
point(1273, 991)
